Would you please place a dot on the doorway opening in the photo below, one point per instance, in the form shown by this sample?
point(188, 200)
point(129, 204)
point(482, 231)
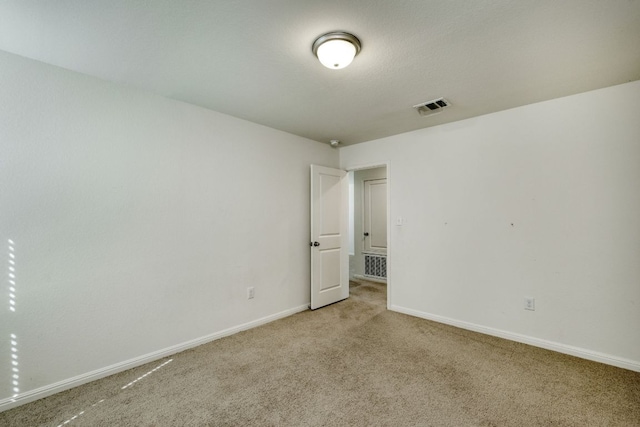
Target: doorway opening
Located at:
point(369, 227)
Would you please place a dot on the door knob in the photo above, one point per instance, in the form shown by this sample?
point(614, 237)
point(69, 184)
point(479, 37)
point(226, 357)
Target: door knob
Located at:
point(366, 234)
point(314, 244)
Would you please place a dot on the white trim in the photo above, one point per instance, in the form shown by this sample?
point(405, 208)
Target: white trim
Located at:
point(389, 225)
point(525, 339)
point(48, 390)
point(369, 279)
point(366, 166)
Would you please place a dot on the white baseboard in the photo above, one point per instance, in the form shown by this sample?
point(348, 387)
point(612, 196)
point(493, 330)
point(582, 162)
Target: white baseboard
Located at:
point(48, 390)
point(536, 342)
point(370, 279)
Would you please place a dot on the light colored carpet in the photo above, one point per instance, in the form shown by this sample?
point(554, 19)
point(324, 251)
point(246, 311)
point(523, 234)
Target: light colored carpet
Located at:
point(351, 364)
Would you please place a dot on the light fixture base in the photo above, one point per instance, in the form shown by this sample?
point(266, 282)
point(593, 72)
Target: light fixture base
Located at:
point(345, 47)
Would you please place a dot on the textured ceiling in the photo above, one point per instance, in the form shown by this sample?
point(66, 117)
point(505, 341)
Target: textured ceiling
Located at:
point(252, 58)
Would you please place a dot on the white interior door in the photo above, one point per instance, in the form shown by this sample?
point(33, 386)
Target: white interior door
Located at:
point(375, 216)
point(329, 236)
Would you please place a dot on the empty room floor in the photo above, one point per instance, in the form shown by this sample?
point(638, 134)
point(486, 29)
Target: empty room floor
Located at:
point(352, 363)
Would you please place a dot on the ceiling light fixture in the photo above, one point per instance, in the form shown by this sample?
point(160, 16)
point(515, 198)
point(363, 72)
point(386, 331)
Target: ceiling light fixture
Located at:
point(336, 50)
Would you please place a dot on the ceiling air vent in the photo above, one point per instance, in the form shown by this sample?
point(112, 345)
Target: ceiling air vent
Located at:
point(430, 108)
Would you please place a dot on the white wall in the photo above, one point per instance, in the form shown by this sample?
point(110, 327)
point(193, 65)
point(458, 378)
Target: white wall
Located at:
point(541, 201)
point(138, 224)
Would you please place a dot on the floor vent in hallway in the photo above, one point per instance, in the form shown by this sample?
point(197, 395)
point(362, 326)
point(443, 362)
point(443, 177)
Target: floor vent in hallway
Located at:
point(375, 266)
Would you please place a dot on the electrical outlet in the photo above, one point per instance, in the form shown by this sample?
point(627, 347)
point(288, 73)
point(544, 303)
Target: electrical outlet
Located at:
point(251, 292)
point(530, 303)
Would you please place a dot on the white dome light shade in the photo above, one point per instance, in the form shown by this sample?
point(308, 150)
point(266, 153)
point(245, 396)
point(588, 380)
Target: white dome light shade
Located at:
point(336, 54)
point(336, 50)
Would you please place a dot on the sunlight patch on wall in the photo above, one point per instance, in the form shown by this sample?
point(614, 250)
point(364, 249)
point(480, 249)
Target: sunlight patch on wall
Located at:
point(15, 366)
point(12, 275)
point(13, 338)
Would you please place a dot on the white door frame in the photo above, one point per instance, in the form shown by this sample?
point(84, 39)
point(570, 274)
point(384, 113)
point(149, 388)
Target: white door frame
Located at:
point(387, 165)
